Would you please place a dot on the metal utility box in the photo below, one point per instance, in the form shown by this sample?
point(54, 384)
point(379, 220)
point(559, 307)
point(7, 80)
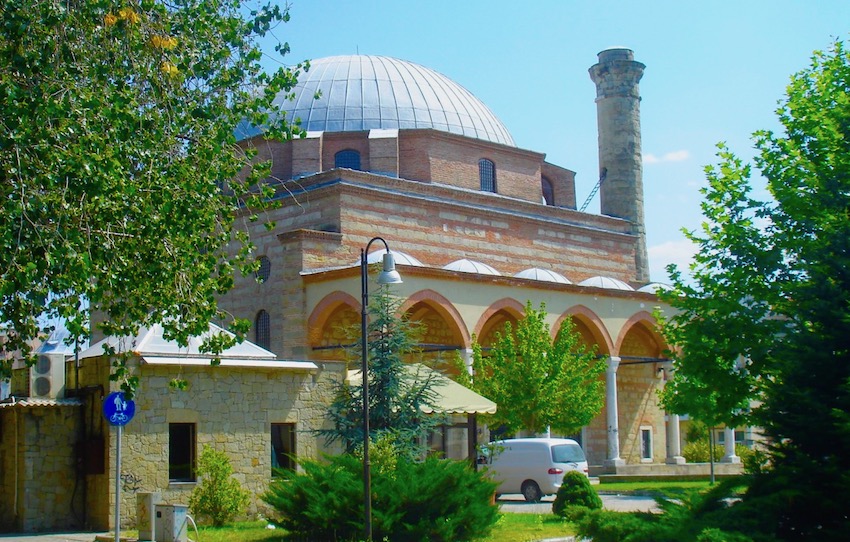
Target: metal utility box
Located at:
point(171, 523)
point(145, 503)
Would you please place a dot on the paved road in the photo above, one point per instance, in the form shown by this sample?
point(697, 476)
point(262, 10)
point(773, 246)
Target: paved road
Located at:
point(509, 503)
point(621, 503)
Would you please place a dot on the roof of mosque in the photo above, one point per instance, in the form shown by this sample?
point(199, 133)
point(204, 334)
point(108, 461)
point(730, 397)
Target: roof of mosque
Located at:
point(363, 92)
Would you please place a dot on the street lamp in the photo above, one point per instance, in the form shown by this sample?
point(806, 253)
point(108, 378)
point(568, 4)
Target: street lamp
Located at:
point(388, 276)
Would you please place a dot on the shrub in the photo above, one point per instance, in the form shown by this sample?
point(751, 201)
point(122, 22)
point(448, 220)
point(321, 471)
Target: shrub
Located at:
point(610, 526)
point(575, 491)
point(434, 500)
point(697, 452)
point(218, 497)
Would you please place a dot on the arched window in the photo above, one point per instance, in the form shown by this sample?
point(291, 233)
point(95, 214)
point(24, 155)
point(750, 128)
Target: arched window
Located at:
point(348, 159)
point(262, 330)
point(548, 191)
point(263, 270)
point(487, 174)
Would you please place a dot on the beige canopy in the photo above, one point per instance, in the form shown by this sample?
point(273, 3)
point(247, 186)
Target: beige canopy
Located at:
point(452, 398)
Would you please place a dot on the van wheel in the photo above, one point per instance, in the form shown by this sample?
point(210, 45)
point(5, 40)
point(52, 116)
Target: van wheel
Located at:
point(531, 491)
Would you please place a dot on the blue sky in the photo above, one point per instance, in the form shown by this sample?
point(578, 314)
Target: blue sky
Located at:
point(715, 71)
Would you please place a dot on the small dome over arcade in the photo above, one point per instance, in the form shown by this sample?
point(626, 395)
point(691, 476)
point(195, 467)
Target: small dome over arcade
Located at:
point(471, 266)
point(402, 258)
point(654, 287)
point(606, 282)
point(545, 275)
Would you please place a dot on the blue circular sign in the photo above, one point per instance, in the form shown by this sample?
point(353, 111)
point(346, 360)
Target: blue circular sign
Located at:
point(117, 410)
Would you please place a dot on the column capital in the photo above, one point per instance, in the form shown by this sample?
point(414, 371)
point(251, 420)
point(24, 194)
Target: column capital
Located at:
point(613, 363)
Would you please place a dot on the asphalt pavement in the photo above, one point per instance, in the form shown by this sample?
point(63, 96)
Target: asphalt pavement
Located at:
point(508, 503)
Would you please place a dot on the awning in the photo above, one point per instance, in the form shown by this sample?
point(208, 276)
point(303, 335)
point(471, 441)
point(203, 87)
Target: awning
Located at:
point(30, 402)
point(452, 398)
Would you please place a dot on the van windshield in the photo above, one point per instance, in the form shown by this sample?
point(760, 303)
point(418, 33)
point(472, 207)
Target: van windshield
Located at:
point(567, 453)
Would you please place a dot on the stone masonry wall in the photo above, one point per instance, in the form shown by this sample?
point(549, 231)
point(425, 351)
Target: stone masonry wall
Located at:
point(37, 456)
point(233, 410)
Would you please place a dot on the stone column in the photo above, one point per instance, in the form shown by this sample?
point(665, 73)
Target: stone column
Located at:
point(674, 447)
point(729, 437)
point(616, 76)
point(466, 356)
point(614, 459)
point(674, 441)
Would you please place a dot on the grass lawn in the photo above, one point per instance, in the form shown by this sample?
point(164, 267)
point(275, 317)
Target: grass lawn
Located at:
point(671, 489)
point(510, 528)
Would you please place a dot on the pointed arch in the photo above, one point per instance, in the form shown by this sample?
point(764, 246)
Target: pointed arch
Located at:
point(589, 325)
point(329, 323)
point(443, 307)
point(639, 336)
point(494, 318)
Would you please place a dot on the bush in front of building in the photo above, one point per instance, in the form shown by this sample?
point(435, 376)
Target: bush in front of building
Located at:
point(710, 516)
point(575, 496)
point(432, 500)
point(218, 496)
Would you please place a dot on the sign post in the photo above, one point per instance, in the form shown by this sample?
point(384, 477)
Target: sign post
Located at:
point(118, 411)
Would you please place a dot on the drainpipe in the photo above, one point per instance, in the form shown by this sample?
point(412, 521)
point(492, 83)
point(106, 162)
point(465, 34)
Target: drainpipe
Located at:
point(17, 467)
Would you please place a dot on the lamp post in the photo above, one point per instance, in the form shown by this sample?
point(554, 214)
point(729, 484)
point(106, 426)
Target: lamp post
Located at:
point(388, 276)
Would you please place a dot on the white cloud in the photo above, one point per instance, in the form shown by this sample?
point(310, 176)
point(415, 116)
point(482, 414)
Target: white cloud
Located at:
point(674, 156)
point(679, 252)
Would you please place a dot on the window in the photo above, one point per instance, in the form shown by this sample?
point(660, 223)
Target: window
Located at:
point(262, 330)
point(263, 270)
point(181, 452)
point(283, 448)
point(645, 444)
point(548, 191)
point(487, 174)
point(348, 159)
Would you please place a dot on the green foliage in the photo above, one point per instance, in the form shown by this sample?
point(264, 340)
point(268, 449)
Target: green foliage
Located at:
point(218, 496)
point(538, 383)
point(575, 491)
point(432, 500)
point(692, 516)
point(767, 315)
point(610, 526)
point(119, 167)
point(698, 452)
point(397, 394)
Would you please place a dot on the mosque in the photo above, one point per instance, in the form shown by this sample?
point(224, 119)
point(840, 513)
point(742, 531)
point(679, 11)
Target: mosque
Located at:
point(396, 157)
point(478, 228)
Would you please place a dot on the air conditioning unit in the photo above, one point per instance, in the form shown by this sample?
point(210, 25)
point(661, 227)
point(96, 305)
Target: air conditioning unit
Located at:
point(47, 377)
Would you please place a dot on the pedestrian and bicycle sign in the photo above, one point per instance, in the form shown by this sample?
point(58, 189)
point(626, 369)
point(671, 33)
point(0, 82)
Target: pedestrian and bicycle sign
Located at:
point(117, 410)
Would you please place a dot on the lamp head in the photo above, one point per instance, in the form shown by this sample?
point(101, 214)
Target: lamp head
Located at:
point(389, 275)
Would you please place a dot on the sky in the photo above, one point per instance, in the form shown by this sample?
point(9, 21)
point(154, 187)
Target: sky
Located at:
point(715, 72)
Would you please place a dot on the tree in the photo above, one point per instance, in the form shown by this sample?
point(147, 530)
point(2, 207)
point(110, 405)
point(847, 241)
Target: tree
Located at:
point(119, 166)
point(767, 316)
point(396, 394)
point(538, 383)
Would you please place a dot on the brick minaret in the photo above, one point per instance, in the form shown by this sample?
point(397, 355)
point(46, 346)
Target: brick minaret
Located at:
point(620, 164)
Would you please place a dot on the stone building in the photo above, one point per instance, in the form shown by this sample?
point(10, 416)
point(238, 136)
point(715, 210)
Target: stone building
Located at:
point(478, 228)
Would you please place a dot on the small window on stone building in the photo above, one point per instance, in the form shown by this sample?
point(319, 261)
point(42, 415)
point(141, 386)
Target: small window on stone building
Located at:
point(264, 270)
point(283, 449)
point(646, 444)
point(347, 159)
point(548, 191)
point(181, 452)
point(262, 330)
point(487, 175)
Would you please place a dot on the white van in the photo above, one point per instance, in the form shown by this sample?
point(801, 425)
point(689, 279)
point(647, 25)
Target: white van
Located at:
point(533, 466)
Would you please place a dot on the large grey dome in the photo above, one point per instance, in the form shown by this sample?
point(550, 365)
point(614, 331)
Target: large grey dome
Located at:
point(360, 92)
